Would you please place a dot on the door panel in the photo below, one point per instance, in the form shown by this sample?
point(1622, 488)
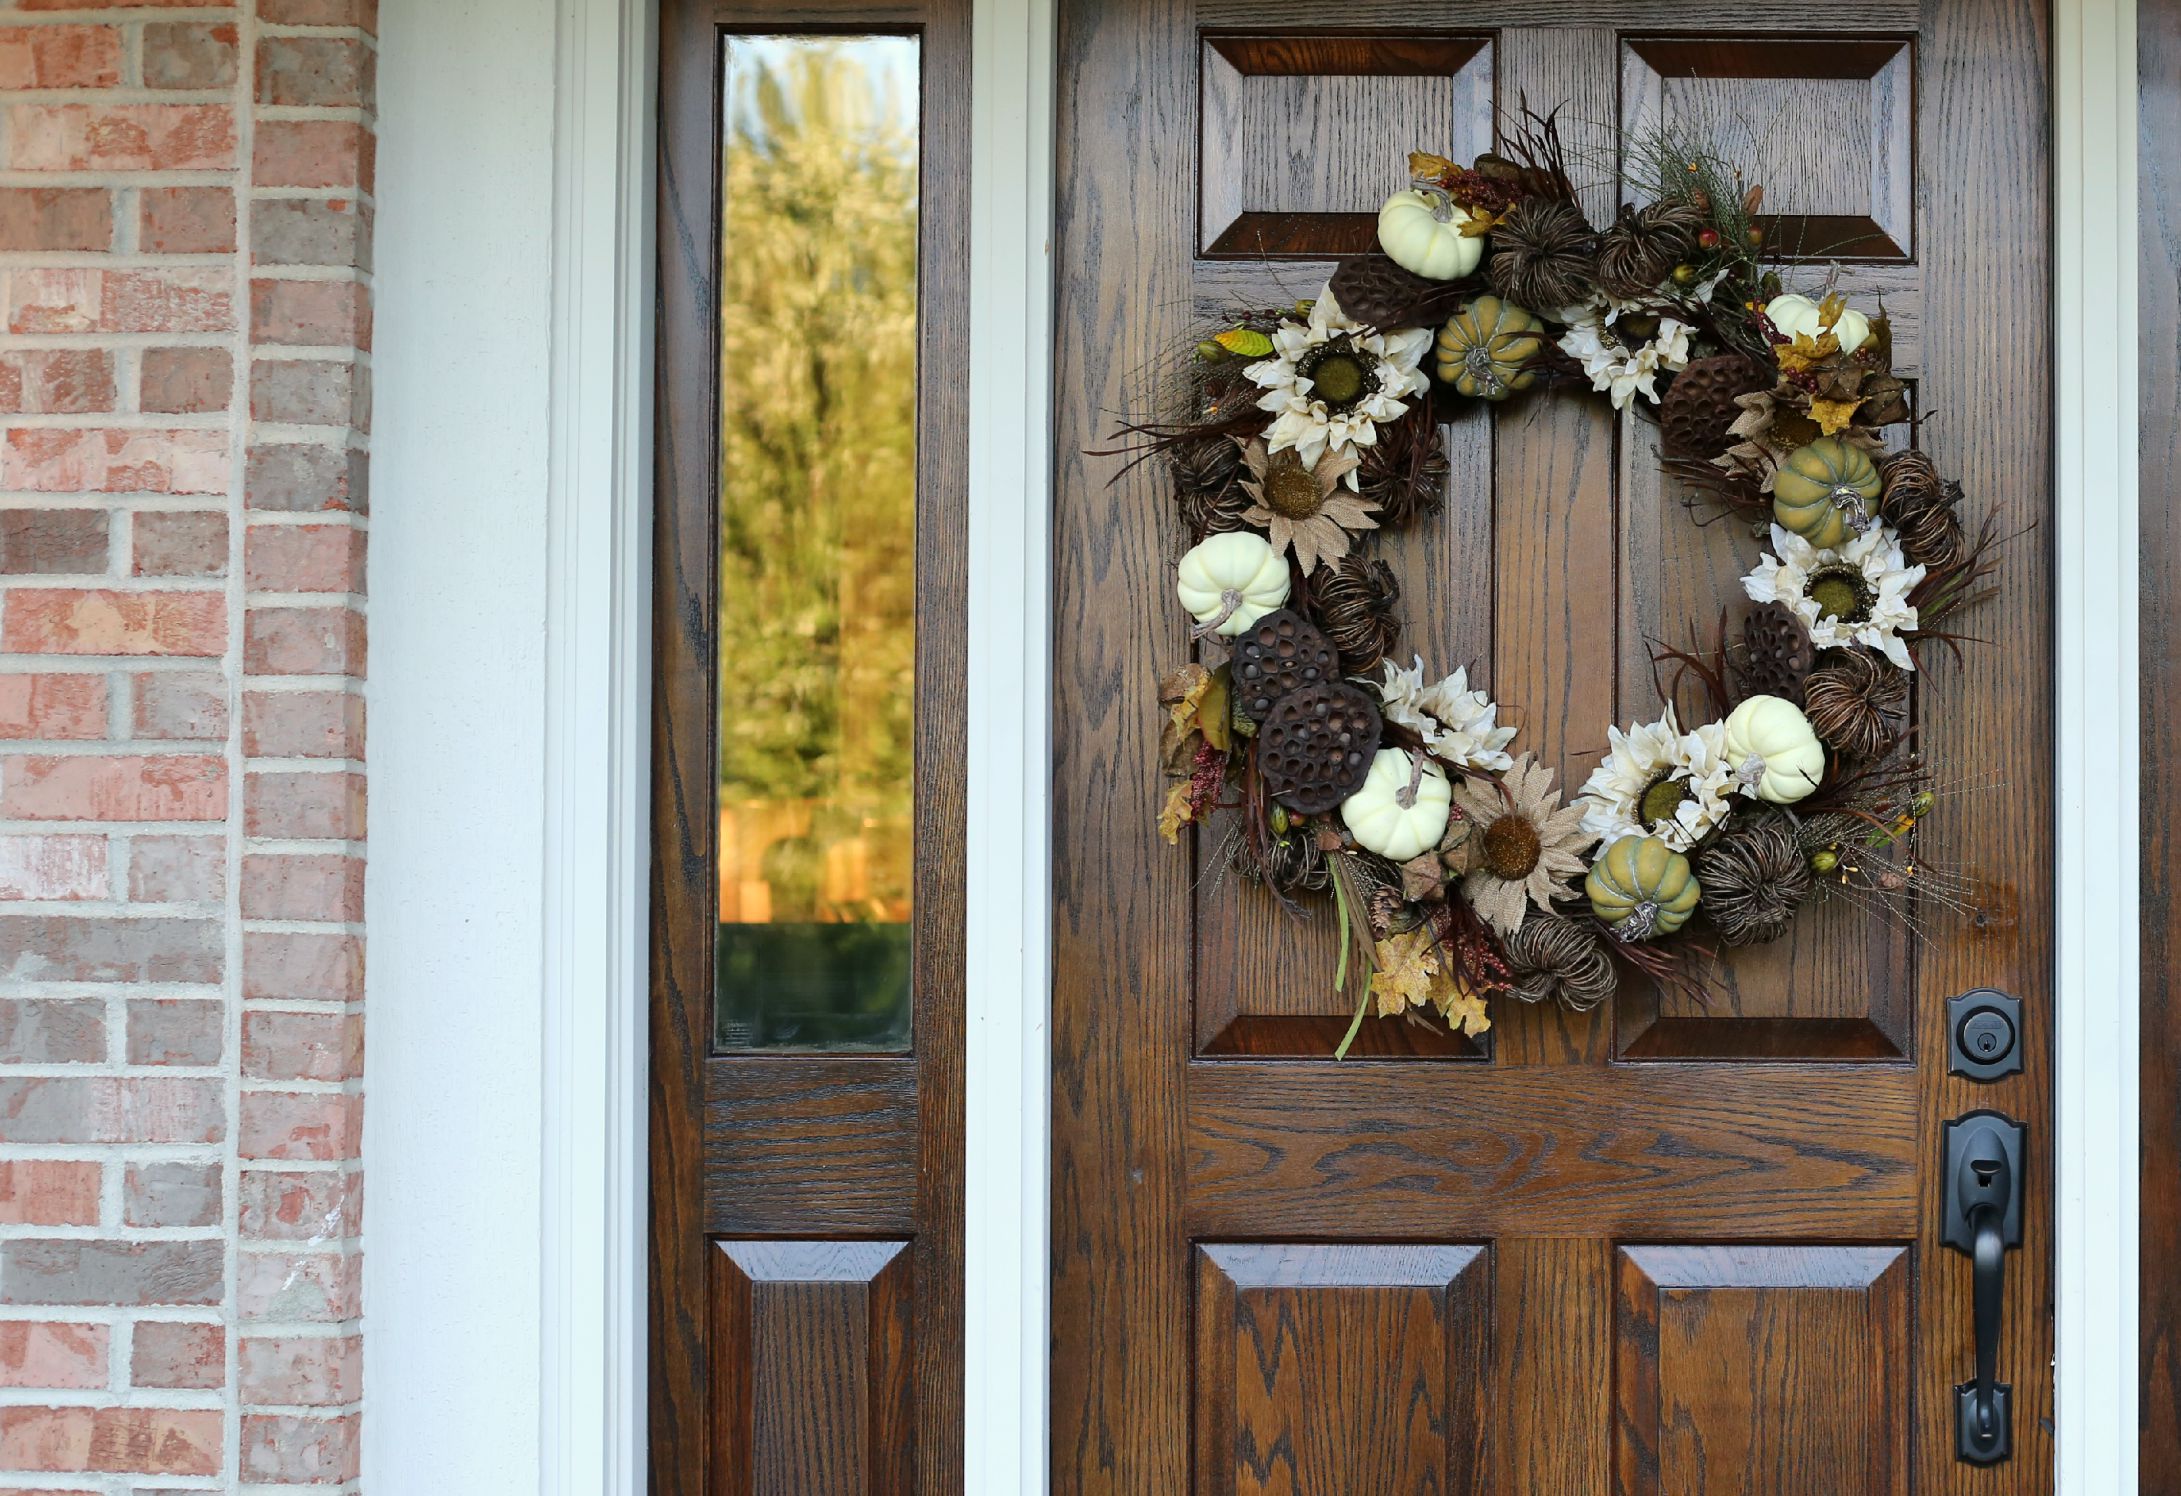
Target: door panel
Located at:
point(1687, 1247)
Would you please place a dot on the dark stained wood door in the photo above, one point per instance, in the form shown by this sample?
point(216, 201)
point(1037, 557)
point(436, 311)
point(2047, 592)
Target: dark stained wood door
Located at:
point(1664, 1248)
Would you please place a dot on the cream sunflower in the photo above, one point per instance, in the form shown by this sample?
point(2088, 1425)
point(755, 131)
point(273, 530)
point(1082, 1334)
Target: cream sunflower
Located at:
point(1530, 844)
point(1857, 594)
point(1624, 358)
point(1303, 508)
point(1331, 381)
point(1459, 726)
point(1659, 781)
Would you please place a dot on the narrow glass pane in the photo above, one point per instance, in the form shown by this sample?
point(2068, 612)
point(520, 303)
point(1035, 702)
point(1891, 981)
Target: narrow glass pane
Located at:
point(817, 542)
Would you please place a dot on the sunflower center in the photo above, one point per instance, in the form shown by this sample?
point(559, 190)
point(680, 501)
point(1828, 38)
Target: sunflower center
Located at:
point(1291, 490)
point(1840, 592)
point(1661, 798)
point(1511, 848)
point(1339, 375)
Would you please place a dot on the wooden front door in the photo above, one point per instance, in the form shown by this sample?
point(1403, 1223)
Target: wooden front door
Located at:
point(1664, 1246)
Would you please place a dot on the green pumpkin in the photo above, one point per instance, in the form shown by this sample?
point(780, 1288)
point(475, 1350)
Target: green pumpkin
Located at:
point(1826, 492)
point(1641, 887)
point(1486, 349)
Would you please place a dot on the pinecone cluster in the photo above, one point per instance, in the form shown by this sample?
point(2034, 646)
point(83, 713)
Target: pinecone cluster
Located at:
point(1554, 959)
point(1355, 602)
point(1921, 507)
point(1542, 254)
point(1207, 472)
point(1405, 471)
point(1754, 878)
point(1644, 245)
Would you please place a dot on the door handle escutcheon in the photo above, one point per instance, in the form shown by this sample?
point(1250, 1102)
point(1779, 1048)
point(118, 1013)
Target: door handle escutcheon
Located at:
point(1983, 1217)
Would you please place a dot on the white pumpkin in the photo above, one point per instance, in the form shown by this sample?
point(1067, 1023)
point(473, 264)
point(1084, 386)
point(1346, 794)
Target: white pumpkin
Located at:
point(1772, 751)
point(1421, 231)
point(1796, 316)
point(1228, 582)
point(1399, 813)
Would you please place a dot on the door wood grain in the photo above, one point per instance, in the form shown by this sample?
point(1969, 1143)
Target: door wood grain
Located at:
point(1699, 1243)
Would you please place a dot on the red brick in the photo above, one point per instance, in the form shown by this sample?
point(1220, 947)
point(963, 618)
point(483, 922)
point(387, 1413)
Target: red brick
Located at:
point(47, 460)
point(81, 1272)
point(50, 708)
point(65, 299)
point(181, 704)
point(296, 477)
point(95, 948)
point(301, 1205)
point(180, 544)
point(54, 867)
point(186, 381)
point(287, 805)
point(301, 724)
point(310, 313)
point(302, 641)
point(302, 885)
point(56, 381)
point(52, 1031)
point(189, 54)
point(52, 542)
point(170, 1353)
point(302, 967)
point(304, 558)
point(95, 622)
point(298, 1287)
point(176, 1031)
point(147, 1441)
point(127, 787)
point(279, 1045)
point(333, 72)
point(177, 869)
point(56, 218)
point(60, 56)
point(120, 137)
point(186, 221)
point(305, 1370)
point(363, 13)
point(34, 1354)
point(49, 1192)
point(174, 1193)
point(303, 1126)
point(314, 153)
point(111, 1109)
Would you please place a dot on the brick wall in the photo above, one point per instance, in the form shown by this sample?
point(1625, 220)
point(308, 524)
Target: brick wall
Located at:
point(185, 220)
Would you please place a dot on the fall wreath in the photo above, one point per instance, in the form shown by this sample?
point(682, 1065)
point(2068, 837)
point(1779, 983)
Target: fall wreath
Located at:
point(1388, 791)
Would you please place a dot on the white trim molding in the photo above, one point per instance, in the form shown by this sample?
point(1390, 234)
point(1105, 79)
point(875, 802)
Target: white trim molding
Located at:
point(1009, 963)
point(2099, 750)
point(597, 757)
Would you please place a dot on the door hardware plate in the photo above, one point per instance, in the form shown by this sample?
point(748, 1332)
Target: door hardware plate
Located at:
point(1984, 1034)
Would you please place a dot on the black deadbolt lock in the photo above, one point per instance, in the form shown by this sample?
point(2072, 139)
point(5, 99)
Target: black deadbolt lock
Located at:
point(1984, 1034)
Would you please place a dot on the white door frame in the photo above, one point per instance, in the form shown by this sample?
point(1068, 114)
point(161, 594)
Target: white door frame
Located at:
point(586, 1400)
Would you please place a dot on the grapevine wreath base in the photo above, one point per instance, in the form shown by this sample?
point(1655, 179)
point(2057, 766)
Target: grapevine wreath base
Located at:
point(1314, 433)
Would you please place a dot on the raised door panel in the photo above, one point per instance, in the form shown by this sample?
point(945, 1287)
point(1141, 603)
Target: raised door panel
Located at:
point(1773, 1369)
point(1324, 1369)
point(810, 1369)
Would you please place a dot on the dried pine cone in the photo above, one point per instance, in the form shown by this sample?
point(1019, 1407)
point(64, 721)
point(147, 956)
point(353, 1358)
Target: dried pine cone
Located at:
point(1857, 702)
point(1920, 505)
point(1373, 290)
point(1405, 471)
point(1552, 958)
point(1281, 652)
point(1754, 878)
point(1541, 255)
point(1776, 654)
point(1316, 745)
point(1644, 245)
point(1700, 404)
point(1355, 601)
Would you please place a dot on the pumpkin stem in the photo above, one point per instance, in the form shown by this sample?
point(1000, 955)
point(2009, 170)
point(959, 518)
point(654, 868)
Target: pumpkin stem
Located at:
point(1405, 797)
point(1442, 205)
point(1229, 600)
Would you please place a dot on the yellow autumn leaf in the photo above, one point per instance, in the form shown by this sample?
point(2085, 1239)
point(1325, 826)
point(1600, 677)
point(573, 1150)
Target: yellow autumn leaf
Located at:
point(1244, 342)
point(1464, 1010)
point(1806, 352)
point(1177, 813)
point(1425, 167)
point(1198, 701)
point(1830, 308)
point(1834, 416)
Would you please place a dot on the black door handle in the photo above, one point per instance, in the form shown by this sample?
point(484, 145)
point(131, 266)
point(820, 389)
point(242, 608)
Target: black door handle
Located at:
point(1983, 1217)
